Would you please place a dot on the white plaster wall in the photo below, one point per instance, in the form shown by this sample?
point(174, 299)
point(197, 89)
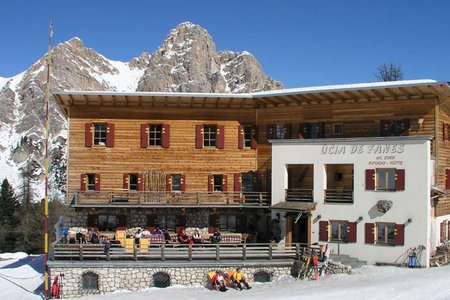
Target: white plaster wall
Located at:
point(412, 155)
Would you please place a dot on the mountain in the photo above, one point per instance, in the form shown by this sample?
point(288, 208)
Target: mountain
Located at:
point(187, 61)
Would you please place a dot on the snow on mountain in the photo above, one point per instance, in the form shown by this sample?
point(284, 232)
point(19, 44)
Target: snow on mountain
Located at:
point(186, 61)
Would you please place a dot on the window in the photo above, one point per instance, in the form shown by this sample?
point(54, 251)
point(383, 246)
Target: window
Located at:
point(90, 184)
point(248, 181)
point(167, 222)
point(227, 223)
point(338, 128)
point(339, 230)
point(218, 180)
point(311, 130)
point(278, 131)
point(248, 135)
point(133, 182)
point(100, 134)
point(338, 176)
point(107, 222)
point(89, 281)
point(394, 127)
point(385, 233)
point(209, 135)
point(176, 182)
point(385, 179)
point(154, 135)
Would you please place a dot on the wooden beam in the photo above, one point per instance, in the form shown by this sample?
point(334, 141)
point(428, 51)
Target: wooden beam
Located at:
point(279, 99)
point(378, 94)
point(295, 98)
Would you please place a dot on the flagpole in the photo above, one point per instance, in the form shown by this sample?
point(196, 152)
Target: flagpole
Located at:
point(47, 100)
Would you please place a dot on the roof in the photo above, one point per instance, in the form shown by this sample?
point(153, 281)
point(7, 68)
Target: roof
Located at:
point(349, 93)
point(295, 206)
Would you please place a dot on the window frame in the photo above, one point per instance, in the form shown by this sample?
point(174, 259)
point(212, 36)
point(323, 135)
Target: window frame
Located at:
point(155, 135)
point(167, 222)
point(388, 179)
point(248, 136)
point(216, 179)
point(209, 136)
point(338, 129)
point(130, 184)
point(342, 231)
point(228, 222)
point(389, 228)
point(176, 186)
point(110, 221)
point(90, 182)
point(99, 135)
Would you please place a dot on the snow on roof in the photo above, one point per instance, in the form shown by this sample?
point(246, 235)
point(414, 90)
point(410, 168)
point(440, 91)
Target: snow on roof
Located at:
point(353, 86)
point(315, 89)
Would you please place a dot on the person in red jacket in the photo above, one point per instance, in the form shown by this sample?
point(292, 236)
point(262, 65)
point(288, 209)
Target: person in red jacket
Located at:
point(182, 237)
point(218, 281)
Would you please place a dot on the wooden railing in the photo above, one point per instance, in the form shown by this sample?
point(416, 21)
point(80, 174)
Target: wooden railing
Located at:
point(183, 252)
point(338, 196)
point(302, 195)
point(130, 198)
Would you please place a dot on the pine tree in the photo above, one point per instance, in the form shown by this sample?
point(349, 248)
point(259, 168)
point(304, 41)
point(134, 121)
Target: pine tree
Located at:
point(8, 205)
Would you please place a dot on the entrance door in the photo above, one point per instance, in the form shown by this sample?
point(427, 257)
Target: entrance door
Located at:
point(297, 232)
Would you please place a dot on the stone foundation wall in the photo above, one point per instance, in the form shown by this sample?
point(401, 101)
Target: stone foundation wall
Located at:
point(112, 278)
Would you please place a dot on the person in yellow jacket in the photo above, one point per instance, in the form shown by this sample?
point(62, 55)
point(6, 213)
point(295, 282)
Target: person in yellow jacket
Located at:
point(239, 279)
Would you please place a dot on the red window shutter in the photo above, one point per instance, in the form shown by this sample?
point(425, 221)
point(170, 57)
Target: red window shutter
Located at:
point(399, 234)
point(210, 183)
point(88, 134)
point(165, 136)
point(109, 135)
point(370, 233)
point(254, 143)
point(126, 180)
point(323, 231)
point(237, 182)
point(144, 135)
point(224, 183)
point(370, 179)
point(97, 182)
point(447, 179)
point(183, 183)
point(198, 136)
point(442, 233)
point(351, 232)
point(141, 182)
point(399, 179)
point(168, 183)
point(83, 182)
point(220, 136)
point(240, 137)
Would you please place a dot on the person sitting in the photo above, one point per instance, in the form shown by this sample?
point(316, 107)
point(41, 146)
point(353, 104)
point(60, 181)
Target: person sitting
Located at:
point(157, 230)
point(217, 237)
point(167, 237)
point(218, 281)
point(80, 237)
point(239, 279)
point(146, 233)
point(137, 237)
point(197, 237)
point(182, 237)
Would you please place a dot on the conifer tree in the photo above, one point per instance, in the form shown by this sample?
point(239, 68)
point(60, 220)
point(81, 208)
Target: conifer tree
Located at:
point(8, 205)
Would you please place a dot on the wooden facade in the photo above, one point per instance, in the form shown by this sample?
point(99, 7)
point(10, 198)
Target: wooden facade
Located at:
point(365, 110)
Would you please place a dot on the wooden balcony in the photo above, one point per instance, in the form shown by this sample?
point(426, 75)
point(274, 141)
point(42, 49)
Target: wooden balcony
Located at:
point(299, 195)
point(338, 196)
point(163, 252)
point(173, 199)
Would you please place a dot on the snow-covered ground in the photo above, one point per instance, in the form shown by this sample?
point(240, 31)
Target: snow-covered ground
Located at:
point(21, 278)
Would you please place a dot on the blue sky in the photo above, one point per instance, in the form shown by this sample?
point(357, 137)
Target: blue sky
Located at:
point(301, 43)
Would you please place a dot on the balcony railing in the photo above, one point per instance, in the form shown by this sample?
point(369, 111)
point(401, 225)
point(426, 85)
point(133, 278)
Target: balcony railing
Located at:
point(135, 198)
point(301, 195)
point(338, 196)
